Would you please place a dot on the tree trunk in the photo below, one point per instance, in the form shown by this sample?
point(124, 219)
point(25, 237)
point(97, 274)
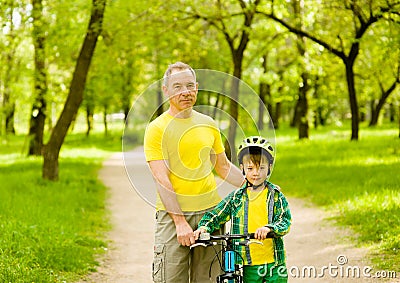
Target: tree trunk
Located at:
point(318, 119)
point(353, 100)
point(9, 53)
point(277, 116)
point(10, 113)
point(126, 113)
point(300, 119)
point(128, 74)
point(38, 116)
point(265, 98)
point(317, 110)
point(234, 113)
point(215, 106)
point(264, 91)
point(160, 96)
point(296, 115)
point(382, 100)
point(219, 102)
point(8, 103)
point(75, 95)
point(105, 121)
point(89, 119)
point(160, 108)
point(303, 89)
point(237, 57)
point(303, 108)
point(392, 113)
point(374, 116)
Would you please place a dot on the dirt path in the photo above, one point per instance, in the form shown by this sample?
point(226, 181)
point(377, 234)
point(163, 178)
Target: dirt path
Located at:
point(311, 244)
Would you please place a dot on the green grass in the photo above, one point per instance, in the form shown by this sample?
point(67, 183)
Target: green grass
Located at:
point(53, 231)
point(357, 182)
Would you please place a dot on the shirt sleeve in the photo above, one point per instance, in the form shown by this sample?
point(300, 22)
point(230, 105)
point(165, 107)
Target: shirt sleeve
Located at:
point(282, 217)
point(221, 214)
point(218, 146)
point(152, 143)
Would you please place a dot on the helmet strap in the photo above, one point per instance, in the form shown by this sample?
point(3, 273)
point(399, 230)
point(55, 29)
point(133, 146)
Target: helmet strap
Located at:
point(249, 184)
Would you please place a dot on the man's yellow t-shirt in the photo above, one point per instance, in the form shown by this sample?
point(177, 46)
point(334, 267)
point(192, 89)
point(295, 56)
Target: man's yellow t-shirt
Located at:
point(186, 144)
point(258, 217)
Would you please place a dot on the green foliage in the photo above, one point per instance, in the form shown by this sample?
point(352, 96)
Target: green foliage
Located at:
point(52, 231)
point(140, 39)
point(357, 182)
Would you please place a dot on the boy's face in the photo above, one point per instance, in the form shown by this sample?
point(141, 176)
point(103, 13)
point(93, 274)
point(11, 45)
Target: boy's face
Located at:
point(256, 174)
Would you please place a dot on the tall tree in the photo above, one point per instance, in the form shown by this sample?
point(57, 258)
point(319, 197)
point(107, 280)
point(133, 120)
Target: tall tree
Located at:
point(302, 101)
point(237, 37)
point(38, 116)
point(266, 46)
point(11, 39)
point(383, 81)
point(265, 95)
point(376, 109)
point(362, 18)
point(75, 95)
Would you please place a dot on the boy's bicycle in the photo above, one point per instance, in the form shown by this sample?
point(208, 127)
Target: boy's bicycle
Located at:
point(232, 270)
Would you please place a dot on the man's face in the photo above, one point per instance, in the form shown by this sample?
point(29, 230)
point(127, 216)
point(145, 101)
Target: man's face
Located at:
point(181, 90)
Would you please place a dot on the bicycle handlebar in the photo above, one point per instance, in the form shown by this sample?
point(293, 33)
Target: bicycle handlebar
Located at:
point(206, 239)
point(208, 236)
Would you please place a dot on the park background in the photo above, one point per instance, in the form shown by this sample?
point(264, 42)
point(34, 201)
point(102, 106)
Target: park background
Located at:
point(70, 71)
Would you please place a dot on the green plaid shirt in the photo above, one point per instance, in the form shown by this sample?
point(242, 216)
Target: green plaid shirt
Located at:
point(235, 207)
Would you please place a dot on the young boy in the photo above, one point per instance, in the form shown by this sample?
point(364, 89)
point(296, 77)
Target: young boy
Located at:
point(259, 207)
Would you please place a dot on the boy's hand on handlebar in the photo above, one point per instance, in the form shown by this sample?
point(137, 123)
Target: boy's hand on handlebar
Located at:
point(198, 232)
point(261, 233)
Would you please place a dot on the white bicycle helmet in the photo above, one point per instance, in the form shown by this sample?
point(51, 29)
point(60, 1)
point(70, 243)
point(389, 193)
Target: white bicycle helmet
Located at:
point(255, 141)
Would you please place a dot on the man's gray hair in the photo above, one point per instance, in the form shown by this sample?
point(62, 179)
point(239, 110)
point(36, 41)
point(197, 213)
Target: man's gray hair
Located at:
point(177, 66)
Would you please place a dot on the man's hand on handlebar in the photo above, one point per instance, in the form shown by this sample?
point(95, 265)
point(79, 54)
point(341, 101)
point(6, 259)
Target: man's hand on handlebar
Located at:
point(185, 234)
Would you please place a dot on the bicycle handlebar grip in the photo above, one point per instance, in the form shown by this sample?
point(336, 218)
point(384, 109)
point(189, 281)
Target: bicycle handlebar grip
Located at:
point(270, 234)
point(205, 237)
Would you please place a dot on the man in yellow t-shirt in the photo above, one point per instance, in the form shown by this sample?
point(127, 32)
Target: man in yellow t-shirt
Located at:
point(182, 148)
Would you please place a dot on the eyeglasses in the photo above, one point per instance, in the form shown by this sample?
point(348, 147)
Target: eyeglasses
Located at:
point(180, 87)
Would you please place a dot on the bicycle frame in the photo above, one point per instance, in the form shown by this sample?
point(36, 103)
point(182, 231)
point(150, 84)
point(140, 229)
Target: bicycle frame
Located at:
point(232, 271)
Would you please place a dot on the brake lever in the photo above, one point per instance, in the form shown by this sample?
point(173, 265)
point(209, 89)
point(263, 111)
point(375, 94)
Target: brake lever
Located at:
point(248, 243)
point(203, 244)
point(199, 244)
